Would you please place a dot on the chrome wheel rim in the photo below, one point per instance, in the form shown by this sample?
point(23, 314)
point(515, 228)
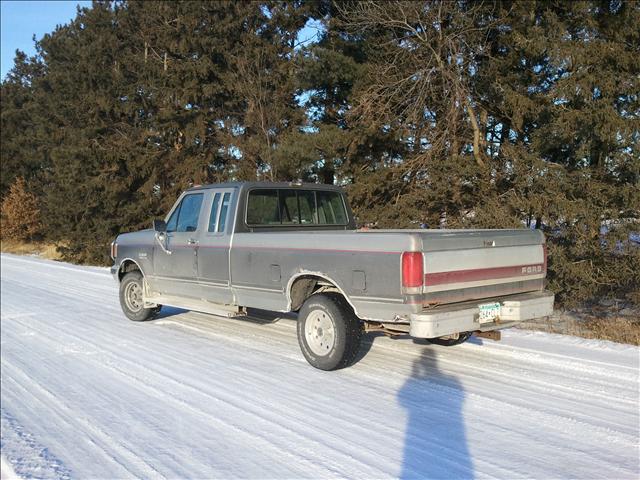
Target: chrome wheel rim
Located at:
point(133, 296)
point(320, 332)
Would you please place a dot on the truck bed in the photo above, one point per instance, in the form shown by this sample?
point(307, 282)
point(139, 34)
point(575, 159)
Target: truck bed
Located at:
point(459, 265)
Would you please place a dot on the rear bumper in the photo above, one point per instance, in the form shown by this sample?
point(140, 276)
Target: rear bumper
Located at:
point(464, 317)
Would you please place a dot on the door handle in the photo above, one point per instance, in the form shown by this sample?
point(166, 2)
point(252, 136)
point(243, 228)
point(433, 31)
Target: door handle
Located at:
point(192, 241)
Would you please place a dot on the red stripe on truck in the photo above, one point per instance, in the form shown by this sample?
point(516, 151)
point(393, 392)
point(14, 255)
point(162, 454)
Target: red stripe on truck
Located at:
point(461, 276)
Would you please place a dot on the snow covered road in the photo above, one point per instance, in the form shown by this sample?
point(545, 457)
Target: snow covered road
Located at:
point(89, 394)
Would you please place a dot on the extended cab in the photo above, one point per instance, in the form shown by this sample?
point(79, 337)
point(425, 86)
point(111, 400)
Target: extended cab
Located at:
point(295, 248)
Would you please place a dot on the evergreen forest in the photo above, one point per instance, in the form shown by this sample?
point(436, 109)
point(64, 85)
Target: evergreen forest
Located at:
point(438, 114)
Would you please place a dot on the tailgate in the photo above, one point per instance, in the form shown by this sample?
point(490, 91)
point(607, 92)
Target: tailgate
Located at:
point(468, 265)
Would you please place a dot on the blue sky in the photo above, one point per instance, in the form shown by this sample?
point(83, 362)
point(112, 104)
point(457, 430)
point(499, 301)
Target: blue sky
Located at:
point(22, 19)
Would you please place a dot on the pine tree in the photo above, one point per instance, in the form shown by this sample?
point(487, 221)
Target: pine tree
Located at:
point(21, 145)
point(561, 85)
point(511, 115)
point(457, 114)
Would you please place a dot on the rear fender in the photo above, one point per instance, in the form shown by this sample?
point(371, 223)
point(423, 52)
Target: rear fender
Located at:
point(307, 273)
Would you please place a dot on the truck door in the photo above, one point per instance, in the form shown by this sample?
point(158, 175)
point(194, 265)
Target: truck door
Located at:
point(213, 250)
point(176, 265)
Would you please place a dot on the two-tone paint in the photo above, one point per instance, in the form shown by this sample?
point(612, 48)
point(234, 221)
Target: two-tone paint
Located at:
point(277, 267)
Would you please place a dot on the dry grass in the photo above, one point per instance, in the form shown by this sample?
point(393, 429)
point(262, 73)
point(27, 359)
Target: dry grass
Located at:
point(43, 250)
point(618, 329)
point(614, 327)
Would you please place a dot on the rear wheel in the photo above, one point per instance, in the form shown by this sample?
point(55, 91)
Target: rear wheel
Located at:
point(451, 340)
point(131, 298)
point(329, 332)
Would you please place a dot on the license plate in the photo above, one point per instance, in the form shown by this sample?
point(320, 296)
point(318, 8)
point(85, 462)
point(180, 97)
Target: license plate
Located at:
point(489, 312)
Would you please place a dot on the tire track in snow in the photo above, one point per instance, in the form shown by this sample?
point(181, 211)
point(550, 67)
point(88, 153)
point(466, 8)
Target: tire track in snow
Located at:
point(549, 421)
point(485, 375)
point(554, 422)
point(459, 357)
point(564, 420)
point(586, 366)
point(276, 415)
point(375, 375)
point(101, 440)
point(307, 459)
point(25, 454)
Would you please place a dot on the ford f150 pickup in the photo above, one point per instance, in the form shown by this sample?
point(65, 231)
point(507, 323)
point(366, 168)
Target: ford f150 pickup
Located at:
point(292, 247)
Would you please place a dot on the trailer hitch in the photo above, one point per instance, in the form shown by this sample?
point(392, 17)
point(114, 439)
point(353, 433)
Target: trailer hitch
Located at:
point(491, 335)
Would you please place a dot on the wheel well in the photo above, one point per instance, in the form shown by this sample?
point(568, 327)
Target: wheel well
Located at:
point(126, 267)
point(305, 286)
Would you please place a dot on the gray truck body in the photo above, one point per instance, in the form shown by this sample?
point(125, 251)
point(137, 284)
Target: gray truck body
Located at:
point(278, 267)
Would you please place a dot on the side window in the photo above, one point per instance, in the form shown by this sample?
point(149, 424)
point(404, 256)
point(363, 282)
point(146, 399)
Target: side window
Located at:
point(262, 208)
point(189, 213)
point(224, 210)
point(173, 220)
point(213, 216)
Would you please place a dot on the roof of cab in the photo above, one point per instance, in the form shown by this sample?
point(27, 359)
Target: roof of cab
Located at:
point(249, 185)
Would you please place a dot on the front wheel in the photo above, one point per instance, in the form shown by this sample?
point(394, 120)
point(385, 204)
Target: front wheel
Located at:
point(329, 332)
point(131, 298)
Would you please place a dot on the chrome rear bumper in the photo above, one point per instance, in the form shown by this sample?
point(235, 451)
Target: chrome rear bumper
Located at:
point(464, 316)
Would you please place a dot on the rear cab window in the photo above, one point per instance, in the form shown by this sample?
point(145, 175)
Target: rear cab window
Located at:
point(263, 208)
point(331, 209)
point(286, 207)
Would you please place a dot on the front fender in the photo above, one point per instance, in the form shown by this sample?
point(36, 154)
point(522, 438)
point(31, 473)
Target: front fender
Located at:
point(123, 266)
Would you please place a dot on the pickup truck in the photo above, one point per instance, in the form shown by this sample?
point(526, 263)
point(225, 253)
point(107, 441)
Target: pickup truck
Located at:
point(293, 247)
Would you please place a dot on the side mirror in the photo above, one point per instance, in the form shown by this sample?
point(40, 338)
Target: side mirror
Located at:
point(160, 226)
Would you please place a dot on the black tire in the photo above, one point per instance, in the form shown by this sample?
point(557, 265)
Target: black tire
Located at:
point(450, 342)
point(134, 309)
point(331, 309)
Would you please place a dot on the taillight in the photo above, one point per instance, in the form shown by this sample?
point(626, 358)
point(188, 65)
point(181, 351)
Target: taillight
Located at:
point(412, 269)
point(114, 250)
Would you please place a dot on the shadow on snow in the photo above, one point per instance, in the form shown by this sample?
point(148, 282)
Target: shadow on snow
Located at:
point(435, 444)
